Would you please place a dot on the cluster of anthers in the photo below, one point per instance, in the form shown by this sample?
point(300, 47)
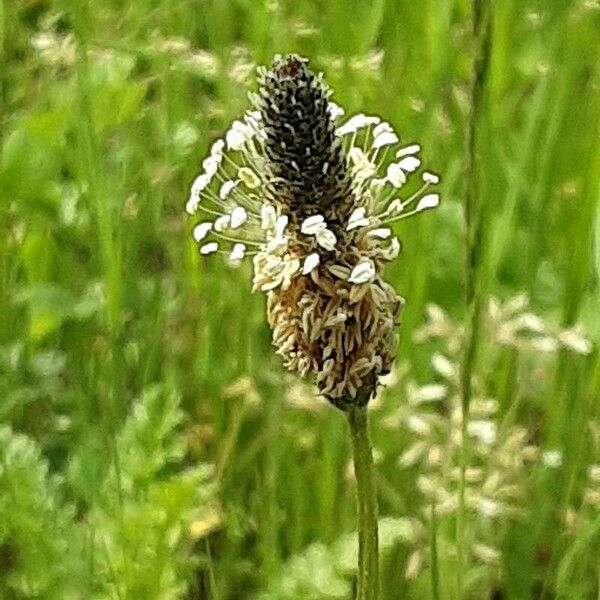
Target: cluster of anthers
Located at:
point(311, 199)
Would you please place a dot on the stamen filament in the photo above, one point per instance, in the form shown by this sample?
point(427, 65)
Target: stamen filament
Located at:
point(236, 240)
point(408, 201)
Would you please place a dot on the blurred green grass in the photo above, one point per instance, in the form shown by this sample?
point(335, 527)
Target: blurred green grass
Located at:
point(106, 111)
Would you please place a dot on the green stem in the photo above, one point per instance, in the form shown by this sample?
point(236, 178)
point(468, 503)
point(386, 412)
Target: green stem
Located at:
point(474, 217)
point(368, 555)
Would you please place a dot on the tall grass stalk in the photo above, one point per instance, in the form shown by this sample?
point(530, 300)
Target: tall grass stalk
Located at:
point(473, 212)
point(435, 574)
point(366, 495)
point(91, 160)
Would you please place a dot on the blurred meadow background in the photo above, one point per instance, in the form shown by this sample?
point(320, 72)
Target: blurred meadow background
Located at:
point(151, 445)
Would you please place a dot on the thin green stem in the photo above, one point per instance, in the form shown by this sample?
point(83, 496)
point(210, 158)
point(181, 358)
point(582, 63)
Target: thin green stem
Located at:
point(368, 555)
point(473, 209)
point(435, 575)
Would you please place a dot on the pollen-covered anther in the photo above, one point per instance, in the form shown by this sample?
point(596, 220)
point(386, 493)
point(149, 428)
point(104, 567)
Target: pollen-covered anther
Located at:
point(431, 178)
point(385, 138)
point(396, 175)
point(357, 219)
point(326, 239)
point(209, 248)
point(221, 223)
point(238, 252)
point(238, 135)
point(312, 225)
point(201, 231)
point(226, 189)
point(363, 272)
point(409, 164)
point(268, 217)
point(427, 202)
point(310, 262)
point(382, 233)
point(357, 122)
point(406, 150)
point(238, 217)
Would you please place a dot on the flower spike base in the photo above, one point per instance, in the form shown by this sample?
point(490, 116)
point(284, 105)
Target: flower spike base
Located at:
point(366, 496)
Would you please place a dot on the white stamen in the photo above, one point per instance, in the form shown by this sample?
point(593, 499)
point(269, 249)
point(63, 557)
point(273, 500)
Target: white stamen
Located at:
point(395, 175)
point(377, 184)
point(277, 245)
point(363, 272)
point(249, 177)
point(396, 206)
point(357, 156)
point(363, 167)
point(217, 148)
point(238, 216)
point(384, 139)
point(237, 135)
point(326, 239)
point(192, 204)
point(209, 248)
point(357, 219)
point(383, 233)
point(406, 150)
point(226, 189)
point(357, 122)
point(211, 164)
point(428, 201)
point(254, 115)
point(222, 222)
point(235, 139)
point(335, 111)
point(280, 225)
point(409, 164)
point(312, 225)
point(268, 216)
point(429, 177)
point(237, 253)
point(393, 251)
point(310, 262)
point(200, 183)
point(384, 126)
point(201, 231)
point(253, 120)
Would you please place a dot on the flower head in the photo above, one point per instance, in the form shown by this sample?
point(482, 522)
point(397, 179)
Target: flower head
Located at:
point(310, 200)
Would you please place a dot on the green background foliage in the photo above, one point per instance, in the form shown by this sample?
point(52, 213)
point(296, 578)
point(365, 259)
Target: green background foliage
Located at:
point(149, 447)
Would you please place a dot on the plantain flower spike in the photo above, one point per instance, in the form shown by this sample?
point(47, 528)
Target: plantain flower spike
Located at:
point(310, 199)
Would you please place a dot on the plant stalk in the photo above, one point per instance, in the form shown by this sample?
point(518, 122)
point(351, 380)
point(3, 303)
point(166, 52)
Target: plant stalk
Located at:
point(474, 220)
point(368, 553)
